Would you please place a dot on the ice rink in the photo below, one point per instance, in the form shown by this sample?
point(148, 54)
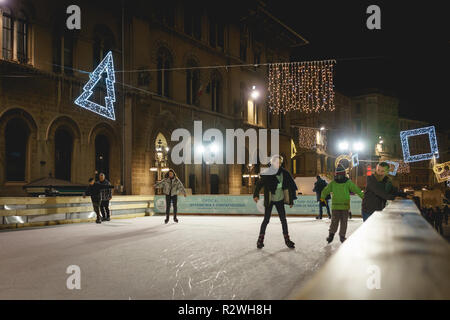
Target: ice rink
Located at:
point(202, 257)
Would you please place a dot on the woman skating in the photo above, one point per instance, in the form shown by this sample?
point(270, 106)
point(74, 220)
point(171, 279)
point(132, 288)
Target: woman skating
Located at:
point(279, 189)
point(171, 187)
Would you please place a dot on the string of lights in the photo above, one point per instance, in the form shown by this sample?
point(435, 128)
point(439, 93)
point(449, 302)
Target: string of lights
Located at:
point(307, 87)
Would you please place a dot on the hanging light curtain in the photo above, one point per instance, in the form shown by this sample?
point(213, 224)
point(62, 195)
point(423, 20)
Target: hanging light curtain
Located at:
point(301, 86)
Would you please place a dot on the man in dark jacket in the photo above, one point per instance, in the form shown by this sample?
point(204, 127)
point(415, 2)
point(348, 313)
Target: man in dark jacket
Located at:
point(379, 189)
point(446, 210)
point(279, 189)
point(93, 190)
point(105, 197)
point(319, 185)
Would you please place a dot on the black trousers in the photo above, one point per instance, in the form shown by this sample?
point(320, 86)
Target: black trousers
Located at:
point(97, 211)
point(104, 207)
point(281, 213)
point(171, 199)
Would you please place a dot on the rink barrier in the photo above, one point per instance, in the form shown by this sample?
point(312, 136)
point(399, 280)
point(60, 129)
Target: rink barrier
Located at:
point(26, 211)
point(395, 254)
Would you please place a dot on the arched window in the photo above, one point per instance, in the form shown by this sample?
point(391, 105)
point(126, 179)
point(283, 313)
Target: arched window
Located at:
point(102, 154)
point(63, 154)
point(215, 92)
point(22, 38)
point(16, 138)
point(192, 83)
point(164, 61)
point(8, 34)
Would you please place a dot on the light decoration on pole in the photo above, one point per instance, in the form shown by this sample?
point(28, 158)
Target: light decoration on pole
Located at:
point(404, 135)
point(442, 171)
point(107, 111)
point(339, 160)
point(302, 86)
point(395, 165)
point(355, 160)
point(403, 167)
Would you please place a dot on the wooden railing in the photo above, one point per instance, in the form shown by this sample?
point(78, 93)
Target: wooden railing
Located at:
point(395, 254)
point(16, 210)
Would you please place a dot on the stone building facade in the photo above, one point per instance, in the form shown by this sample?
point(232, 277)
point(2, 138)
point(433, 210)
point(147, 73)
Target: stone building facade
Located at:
point(44, 66)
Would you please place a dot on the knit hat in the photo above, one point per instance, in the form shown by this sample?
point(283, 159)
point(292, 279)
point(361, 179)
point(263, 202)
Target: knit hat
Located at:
point(340, 170)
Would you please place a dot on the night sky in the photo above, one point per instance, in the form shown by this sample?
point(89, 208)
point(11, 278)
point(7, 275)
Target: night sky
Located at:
point(411, 50)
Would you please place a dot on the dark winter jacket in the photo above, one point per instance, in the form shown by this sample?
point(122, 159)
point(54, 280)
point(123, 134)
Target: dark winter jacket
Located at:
point(319, 185)
point(270, 182)
point(376, 194)
point(94, 191)
point(105, 193)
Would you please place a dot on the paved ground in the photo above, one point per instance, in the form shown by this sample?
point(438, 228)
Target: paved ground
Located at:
point(199, 258)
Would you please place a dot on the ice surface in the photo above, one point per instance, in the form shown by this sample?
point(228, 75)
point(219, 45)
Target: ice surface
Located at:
point(202, 257)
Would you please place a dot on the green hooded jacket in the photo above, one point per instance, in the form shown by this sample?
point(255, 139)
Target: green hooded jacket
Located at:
point(341, 189)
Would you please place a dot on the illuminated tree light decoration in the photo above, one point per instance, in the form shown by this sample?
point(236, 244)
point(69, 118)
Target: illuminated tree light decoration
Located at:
point(355, 160)
point(107, 111)
point(442, 171)
point(303, 86)
point(404, 135)
point(395, 169)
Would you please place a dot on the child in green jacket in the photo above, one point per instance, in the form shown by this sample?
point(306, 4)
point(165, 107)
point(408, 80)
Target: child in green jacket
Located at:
point(340, 187)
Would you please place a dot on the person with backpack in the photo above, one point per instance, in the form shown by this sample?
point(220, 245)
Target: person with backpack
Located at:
point(340, 189)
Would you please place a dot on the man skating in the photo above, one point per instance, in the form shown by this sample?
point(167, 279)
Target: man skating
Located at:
point(340, 188)
point(279, 189)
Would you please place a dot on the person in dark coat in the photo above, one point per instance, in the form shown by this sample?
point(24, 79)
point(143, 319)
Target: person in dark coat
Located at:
point(446, 211)
point(93, 190)
point(379, 189)
point(438, 217)
point(105, 197)
point(279, 189)
point(319, 185)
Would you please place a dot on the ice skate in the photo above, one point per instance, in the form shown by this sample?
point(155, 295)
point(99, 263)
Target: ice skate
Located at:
point(288, 242)
point(260, 242)
point(175, 219)
point(343, 238)
point(330, 237)
point(166, 221)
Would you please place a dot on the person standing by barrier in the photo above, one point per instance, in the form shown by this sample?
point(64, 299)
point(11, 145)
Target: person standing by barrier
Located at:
point(105, 197)
point(171, 187)
point(446, 209)
point(319, 185)
point(340, 187)
point(378, 191)
point(93, 190)
point(279, 189)
point(438, 217)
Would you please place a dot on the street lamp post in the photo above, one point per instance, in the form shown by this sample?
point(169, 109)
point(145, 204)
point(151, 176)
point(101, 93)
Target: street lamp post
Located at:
point(161, 160)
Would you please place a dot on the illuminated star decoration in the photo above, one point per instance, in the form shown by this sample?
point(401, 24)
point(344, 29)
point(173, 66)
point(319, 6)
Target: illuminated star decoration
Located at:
point(395, 164)
point(442, 171)
point(355, 160)
point(106, 111)
point(404, 135)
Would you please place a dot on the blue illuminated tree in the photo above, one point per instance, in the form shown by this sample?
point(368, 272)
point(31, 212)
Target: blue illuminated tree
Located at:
point(107, 111)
